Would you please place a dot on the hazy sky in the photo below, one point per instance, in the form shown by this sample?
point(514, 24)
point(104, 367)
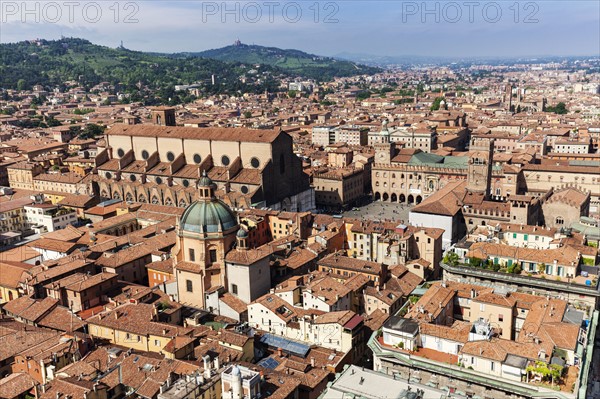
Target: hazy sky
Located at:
point(430, 28)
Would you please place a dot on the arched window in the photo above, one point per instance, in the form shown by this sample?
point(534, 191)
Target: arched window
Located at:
point(560, 220)
point(116, 195)
point(155, 200)
point(145, 154)
point(168, 202)
point(431, 184)
point(142, 199)
point(129, 197)
point(182, 204)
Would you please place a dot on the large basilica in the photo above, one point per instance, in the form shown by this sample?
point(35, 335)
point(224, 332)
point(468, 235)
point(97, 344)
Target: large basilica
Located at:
point(161, 164)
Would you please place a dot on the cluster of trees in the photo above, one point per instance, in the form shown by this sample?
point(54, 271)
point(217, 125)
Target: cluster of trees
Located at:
point(559, 108)
point(515, 268)
point(83, 111)
point(363, 95)
point(552, 372)
point(437, 103)
point(89, 131)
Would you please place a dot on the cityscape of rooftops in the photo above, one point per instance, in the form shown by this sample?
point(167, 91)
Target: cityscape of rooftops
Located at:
point(299, 200)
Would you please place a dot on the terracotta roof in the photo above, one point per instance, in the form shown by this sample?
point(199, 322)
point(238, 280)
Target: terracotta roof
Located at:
point(248, 256)
point(234, 303)
point(11, 272)
point(565, 255)
point(210, 133)
point(339, 260)
point(29, 308)
point(137, 319)
point(327, 289)
point(457, 332)
point(15, 385)
point(446, 201)
point(233, 338)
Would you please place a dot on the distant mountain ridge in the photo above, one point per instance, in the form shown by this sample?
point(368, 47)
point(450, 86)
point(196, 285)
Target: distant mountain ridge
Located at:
point(288, 60)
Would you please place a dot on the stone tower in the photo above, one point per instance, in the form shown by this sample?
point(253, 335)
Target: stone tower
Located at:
point(163, 116)
point(384, 149)
point(479, 173)
point(508, 96)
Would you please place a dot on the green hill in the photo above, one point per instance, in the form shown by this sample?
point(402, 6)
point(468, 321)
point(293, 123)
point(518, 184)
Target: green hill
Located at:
point(53, 62)
point(151, 77)
point(294, 62)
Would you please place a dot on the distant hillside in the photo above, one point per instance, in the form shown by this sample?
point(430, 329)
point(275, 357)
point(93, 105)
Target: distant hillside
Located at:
point(294, 62)
point(53, 62)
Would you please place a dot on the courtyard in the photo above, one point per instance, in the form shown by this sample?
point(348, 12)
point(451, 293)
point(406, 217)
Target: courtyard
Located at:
point(379, 210)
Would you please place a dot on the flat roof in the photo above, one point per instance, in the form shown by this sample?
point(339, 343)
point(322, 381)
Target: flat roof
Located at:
point(366, 383)
point(398, 323)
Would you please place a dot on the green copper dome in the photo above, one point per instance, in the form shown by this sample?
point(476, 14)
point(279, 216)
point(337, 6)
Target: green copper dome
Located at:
point(208, 217)
point(208, 214)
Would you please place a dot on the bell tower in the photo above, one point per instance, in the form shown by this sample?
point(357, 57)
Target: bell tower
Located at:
point(479, 173)
point(163, 116)
point(384, 149)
